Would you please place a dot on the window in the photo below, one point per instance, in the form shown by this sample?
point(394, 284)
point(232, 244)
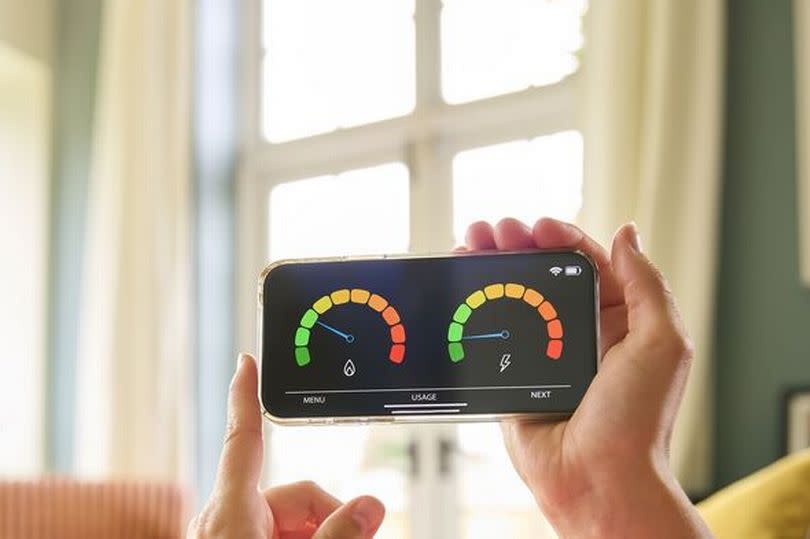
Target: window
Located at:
point(363, 211)
point(493, 48)
point(528, 174)
point(320, 73)
point(378, 126)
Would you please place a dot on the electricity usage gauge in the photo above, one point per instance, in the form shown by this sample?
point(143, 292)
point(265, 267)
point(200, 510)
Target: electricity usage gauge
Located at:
point(340, 324)
point(493, 320)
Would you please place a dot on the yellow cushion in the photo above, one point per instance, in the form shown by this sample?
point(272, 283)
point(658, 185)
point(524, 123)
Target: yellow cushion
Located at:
point(769, 504)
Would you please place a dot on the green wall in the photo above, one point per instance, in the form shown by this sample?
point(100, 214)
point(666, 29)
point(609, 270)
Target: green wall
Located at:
point(763, 316)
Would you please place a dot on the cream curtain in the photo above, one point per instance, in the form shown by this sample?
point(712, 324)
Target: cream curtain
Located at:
point(652, 104)
point(134, 373)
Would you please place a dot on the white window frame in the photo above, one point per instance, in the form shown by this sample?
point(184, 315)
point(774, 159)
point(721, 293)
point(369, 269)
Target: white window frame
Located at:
point(426, 140)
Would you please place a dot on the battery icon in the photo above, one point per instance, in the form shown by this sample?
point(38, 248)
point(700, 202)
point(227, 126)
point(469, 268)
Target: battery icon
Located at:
point(572, 271)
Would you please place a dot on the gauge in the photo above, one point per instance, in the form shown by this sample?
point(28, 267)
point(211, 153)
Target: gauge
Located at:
point(509, 325)
point(335, 315)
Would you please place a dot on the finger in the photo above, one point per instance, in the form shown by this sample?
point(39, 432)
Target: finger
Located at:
point(240, 463)
point(553, 234)
point(480, 236)
point(358, 519)
point(511, 234)
point(651, 310)
point(461, 249)
point(300, 507)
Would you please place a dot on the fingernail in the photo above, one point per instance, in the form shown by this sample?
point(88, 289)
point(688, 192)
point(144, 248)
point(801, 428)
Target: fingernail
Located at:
point(570, 227)
point(526, 228)
point(240, 359)
point(635, 238)
point(365, 513)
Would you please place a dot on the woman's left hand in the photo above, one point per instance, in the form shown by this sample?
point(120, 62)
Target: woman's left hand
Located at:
point(237, 508)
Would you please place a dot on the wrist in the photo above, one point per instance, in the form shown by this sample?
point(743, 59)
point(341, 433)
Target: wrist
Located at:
point(639, 501)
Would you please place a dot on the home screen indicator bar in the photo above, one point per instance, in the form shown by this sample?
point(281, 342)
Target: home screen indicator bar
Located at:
point(416, 389)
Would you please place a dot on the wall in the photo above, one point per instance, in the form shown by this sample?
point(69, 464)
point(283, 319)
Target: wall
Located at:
point(763, 324)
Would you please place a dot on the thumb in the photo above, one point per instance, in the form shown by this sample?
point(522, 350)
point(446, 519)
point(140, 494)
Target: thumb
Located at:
point(655, 335)
point(240, 463)
point(651, 307)
point(357, 519)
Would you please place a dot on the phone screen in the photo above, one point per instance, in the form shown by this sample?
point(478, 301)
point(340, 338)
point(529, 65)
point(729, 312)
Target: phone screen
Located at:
point(446, 336)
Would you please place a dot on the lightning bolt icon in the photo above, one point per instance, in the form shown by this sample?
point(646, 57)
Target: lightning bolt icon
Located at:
point(505, 361)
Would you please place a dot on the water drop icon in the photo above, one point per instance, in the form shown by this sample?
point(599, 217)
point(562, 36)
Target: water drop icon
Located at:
point(349, 369)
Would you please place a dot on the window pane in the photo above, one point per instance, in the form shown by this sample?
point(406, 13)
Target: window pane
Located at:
point(348, 462)
point(505, 508)
point(358, 212)
point(363, 211)
point(525, 179)
point(492, 47)
point(335, 64)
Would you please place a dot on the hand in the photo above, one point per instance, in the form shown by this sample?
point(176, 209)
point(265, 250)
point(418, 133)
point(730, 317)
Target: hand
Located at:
point(605, 472)
point(236, 507)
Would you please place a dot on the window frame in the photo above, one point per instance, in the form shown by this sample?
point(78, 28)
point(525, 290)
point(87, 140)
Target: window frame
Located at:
point(425, 140)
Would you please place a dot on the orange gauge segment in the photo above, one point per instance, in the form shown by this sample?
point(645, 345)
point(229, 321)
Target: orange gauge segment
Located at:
point(398, 334)
point(547, 311)
point(457, 337)
point(555, 330)
point(390, 315)
point(378, 303)
point(532, 297)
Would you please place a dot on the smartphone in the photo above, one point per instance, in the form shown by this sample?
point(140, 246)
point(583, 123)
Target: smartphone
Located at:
point(456, 337)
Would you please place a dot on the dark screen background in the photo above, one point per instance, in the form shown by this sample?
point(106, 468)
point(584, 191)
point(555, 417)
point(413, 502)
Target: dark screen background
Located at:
point(426, 293)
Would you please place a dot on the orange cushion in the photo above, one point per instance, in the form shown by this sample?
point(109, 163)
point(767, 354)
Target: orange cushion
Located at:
point(63, 508)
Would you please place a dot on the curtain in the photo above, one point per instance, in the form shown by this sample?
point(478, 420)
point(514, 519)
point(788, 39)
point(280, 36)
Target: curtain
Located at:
point(134, 366)
point(652, 87)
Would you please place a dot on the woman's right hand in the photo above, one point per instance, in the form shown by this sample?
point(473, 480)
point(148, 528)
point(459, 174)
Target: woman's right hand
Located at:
point(605, 471)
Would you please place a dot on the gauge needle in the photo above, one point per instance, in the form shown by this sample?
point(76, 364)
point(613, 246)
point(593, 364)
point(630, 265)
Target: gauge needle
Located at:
point(346, 336)
point(503, 334)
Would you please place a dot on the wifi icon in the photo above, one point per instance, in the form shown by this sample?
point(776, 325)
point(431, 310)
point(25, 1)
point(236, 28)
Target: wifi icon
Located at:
point(556, 270)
